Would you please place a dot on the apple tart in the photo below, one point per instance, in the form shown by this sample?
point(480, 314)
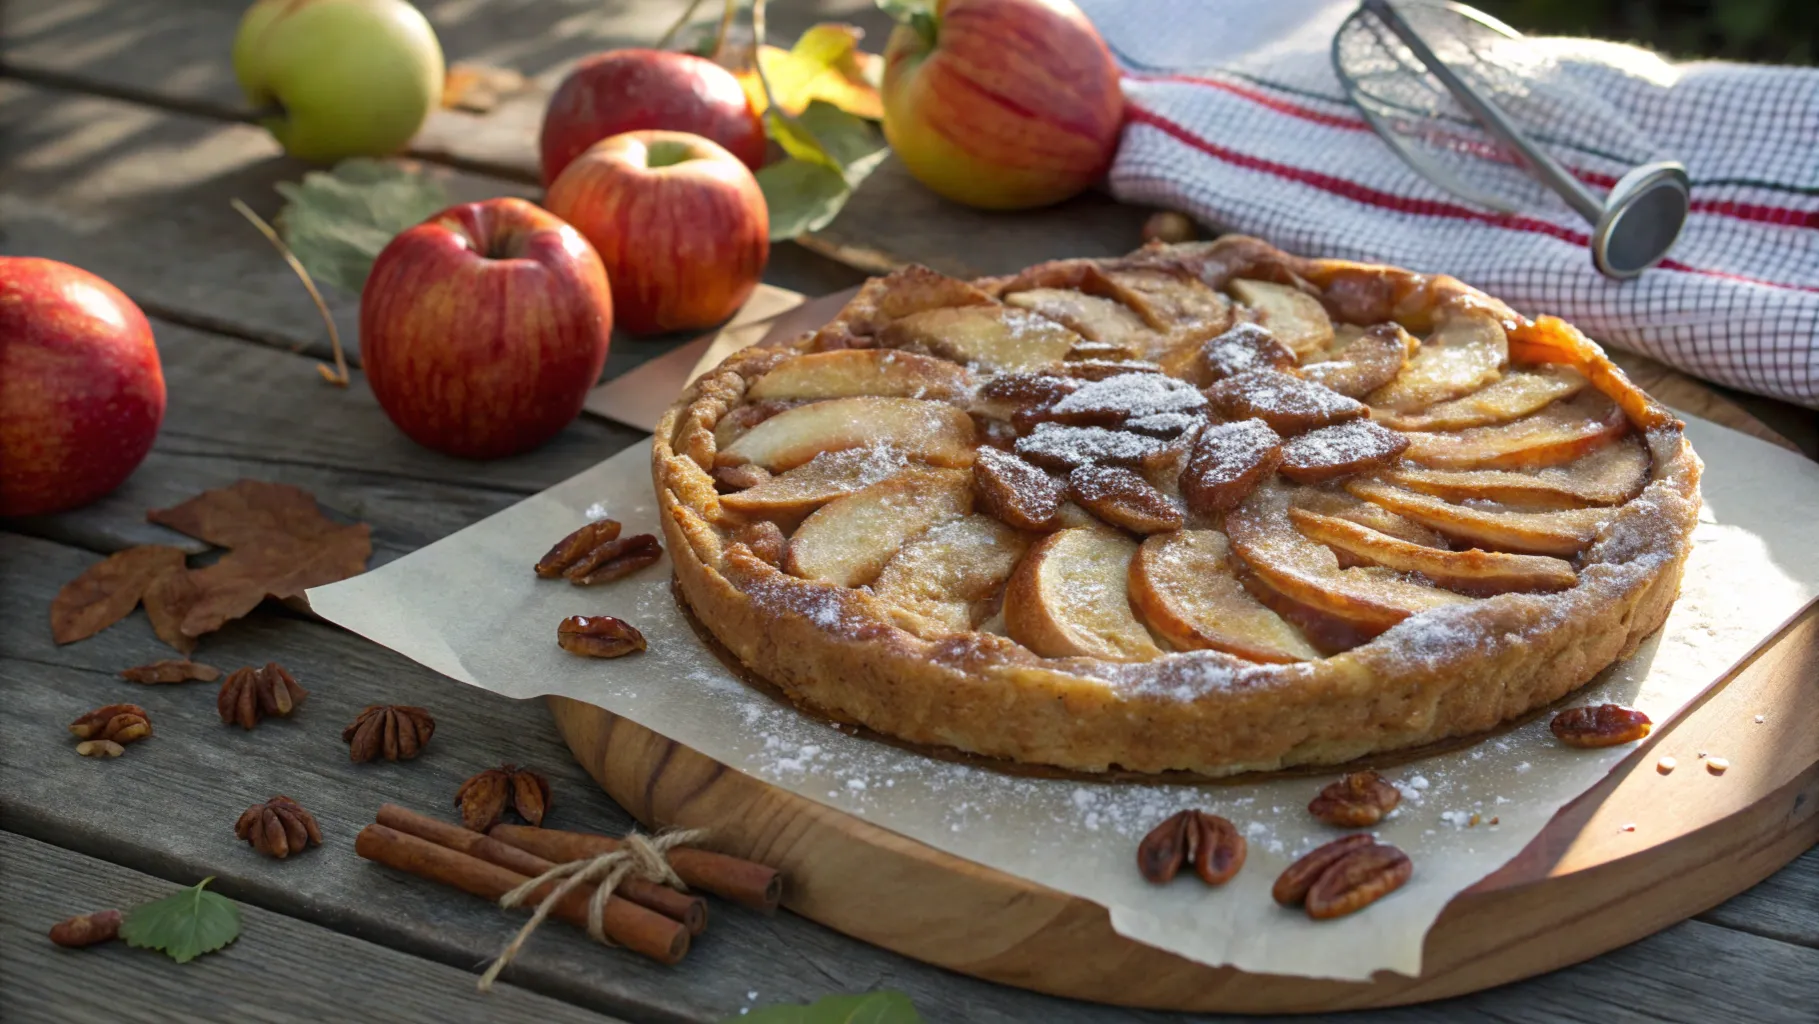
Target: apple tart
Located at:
point(1208, 507)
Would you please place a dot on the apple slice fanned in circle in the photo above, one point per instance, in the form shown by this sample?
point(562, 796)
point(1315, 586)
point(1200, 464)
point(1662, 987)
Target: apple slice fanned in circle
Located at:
point(1563, 533)
point(1093, 317)
point(1369, 360)
point(849, 540)
point(1517, 395)
point(1562, 432)
point(1610, 475)
point(993, 337)
point(930, 431)
point(1369, 598)
point(1463, 354)
point(948, 580)
point(852, 372)
point(787, 497)
point(1070, 596)
point(1296, 318)
point(1468, 572)
point(1183, 585)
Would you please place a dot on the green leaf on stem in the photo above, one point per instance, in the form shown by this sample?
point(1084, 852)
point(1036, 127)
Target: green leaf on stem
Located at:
point(917, 14)
point(870, 1008)
point(183, 925)
point(336, 222)
point(831, 152)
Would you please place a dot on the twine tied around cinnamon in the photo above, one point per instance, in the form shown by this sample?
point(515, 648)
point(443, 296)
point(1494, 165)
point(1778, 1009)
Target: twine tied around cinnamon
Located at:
point(638, 855)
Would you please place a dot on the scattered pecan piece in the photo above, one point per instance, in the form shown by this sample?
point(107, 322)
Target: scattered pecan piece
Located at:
point(116, 723)
point(99, 748)
point(575, 546)
point(1341, 450)
point(1059, 446)
point(489, 794)
point(1247, 346)
point(278, 827)
point(1357, 880)
point(1226, 463)
point(1606, 725)
point(1211, 843)
point(1013, 491)
point(1027, 390)
point(615, 559)
point(396, 732)
point(174, 670)
point(1111, 401)
point(1357, 800)
point(249, 694)
point(738, 478)
point(1293, 885)
point(87, 929)
point(1288, 404)
point(598, 636)
point(1122, 498)
point(765, 539)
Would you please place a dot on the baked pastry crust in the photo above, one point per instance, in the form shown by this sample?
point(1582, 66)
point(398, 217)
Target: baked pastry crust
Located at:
point(1461, 667)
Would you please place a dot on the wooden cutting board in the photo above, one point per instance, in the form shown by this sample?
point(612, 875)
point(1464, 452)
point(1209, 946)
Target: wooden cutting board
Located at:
point(1588, 882)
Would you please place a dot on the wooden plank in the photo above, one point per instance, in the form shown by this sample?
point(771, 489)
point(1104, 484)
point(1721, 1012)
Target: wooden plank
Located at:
point(1784, 907)
point(279, 970)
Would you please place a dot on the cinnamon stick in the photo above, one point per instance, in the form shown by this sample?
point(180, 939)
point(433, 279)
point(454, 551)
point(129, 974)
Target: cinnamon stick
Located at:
point(625, 923)
point(744, 882)
point(679, 906)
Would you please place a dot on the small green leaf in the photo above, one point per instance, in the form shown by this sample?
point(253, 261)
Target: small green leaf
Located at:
point(336, 222)
point(870, 1008)
point(803, 196)
point(917, 14)
point(831, 152)
point(184, 925)
point(847, 139)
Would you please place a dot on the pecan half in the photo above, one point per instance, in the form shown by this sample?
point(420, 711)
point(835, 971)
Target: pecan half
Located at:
point(598, 636)
point(571, 548)
point(1606, 725)
point(1211, 843)
point(172, 671)
point(87, 929)
point(1288, 404)
point(117, 723)
point(1027, 390)
point(1293, 885)
point(99, 748)
point(1247, 346)
point(1122, 498)
point(396, 732)
point(1341, 450)
point(249, 694)
point(278, 827)
point(1226, 463)
point(1013, 491)
point(1357, 800)
point(615, 559)
point(484, 798)
point(1357, 880)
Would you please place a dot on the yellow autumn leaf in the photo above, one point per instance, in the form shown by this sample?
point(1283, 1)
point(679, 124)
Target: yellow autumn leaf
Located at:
point(825, 64)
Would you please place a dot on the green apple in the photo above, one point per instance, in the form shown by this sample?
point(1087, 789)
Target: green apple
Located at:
point(353, 77)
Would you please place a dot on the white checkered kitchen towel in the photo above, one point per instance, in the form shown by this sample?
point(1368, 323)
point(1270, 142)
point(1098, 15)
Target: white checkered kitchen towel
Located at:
point(1237, 118)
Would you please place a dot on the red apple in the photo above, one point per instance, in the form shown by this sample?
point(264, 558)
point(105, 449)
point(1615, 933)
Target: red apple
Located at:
point(1004, 104)
point(678, 221)
point(482, 328)
point(630, 90)
point(81, 389)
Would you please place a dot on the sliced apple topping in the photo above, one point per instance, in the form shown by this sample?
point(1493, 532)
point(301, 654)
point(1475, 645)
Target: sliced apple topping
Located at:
point(907, 290)
point(1183, 586)
point(848, 540)
point(930, 431)
point(1246, 347)
point(1225, 462)
point(1123, 498)
point(1093, 317)
point(1369, 361)
point(1015, 491)
point(1560, 433)
point(950, 577)
point(1058, 446)
point(1070, 596)
point(1369, 598)
point(787, 497)
point(1296, 318)
point(1468, 572)
point(1173, 301)
point(1485, 524)
point(845, 373)
point(1109, 402)
point(1610, 475)
point(1344, 449)
point(1099, 369)
point(1288, 404)
point(1463, 354)
point(995, 337)
point(1350, 507)
point(1518, 394)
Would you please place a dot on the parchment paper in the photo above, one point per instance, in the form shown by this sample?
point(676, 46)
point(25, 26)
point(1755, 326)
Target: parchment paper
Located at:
point(469, 607)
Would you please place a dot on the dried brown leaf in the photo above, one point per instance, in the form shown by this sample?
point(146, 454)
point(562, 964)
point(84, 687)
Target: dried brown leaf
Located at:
point(167, 601)
point(108, 591)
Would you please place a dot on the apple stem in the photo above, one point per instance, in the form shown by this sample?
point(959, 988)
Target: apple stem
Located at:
point(727, 14)
point(678, 25)
point(337, 376)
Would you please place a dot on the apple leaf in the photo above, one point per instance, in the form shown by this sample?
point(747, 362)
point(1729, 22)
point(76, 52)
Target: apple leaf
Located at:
point(825, 64)
point(336, 222)
point(870, 1008)
point(830, 153)
point(917, 14)
point(183, 925)
point(802, 195)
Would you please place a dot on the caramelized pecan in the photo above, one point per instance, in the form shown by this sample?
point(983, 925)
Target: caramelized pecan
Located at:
point(573, 547)
point(1293, 885)
point(1123, 498)
point(598, 636)
point(87, 929)
point(615, 559)
point(115, 723)
point(1226, 463)
point(1357, 800)
point(1357, 880)
point(1211, 843)
point(1606, 725)
point(1013, 491)
point(1247, 346)
point(1341, 450)
point(1288, 404)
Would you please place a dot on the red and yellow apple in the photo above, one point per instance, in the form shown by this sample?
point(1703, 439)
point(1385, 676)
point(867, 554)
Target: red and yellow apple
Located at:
point(482, 328)
point(679, 222)
point(1002, 104)
point(81, 388)
point(632, 90)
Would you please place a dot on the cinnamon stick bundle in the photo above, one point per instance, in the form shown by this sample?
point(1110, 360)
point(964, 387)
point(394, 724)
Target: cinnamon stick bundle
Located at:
point(624, 922)
point(679, 906)
point(744, 882)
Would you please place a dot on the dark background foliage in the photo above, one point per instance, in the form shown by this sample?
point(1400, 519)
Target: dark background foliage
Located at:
point(1768, 31)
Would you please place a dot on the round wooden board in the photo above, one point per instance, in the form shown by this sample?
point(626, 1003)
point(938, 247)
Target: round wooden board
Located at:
point(1585, 885)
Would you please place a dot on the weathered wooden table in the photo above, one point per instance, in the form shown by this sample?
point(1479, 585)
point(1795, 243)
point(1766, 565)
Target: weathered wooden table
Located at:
point(119, 150)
